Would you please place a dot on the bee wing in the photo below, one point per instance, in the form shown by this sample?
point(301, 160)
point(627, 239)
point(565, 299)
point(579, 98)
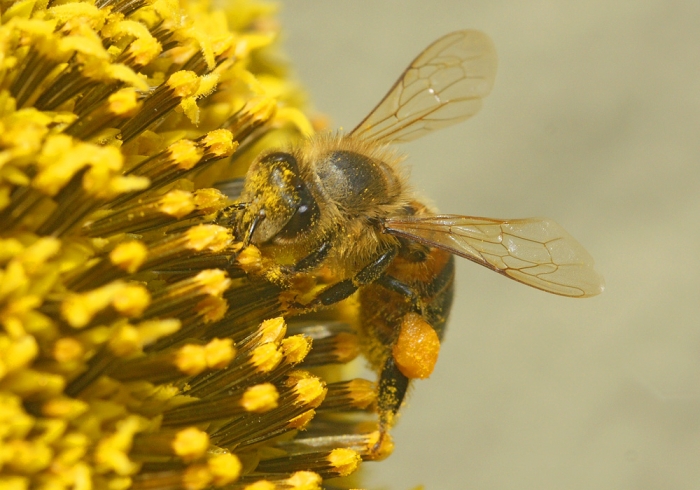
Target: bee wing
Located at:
point(537, 252)
point(443, 85)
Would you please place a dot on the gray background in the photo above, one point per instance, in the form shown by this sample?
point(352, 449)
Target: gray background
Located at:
point(594, 122)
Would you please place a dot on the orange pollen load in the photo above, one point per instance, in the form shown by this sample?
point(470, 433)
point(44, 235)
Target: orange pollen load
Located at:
point(417, 348)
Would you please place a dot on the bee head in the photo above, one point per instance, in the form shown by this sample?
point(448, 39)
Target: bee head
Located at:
point(279, 205)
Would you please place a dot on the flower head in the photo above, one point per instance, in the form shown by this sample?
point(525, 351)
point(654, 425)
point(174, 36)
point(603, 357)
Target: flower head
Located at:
point(135, 351)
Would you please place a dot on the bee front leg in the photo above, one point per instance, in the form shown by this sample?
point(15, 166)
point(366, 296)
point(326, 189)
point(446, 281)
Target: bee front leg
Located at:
point(313, 259)
point(343, 289)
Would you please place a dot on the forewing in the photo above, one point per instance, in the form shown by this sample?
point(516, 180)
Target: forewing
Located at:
point(444, 85)
point(536, 252)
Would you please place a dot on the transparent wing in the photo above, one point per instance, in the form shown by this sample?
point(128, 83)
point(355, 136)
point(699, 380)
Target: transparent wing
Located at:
point(443, 85)
point(537, 252)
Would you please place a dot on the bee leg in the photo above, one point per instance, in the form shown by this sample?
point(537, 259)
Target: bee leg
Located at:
point(313, 259)
point(393, 284)
point(414, 353)
point(393, 386)
point(343, 289)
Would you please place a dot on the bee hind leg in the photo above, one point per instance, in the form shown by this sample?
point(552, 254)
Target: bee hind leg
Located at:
point(393, 284)
point(392, 389)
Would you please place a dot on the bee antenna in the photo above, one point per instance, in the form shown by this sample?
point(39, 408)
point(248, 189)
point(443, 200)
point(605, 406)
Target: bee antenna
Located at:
point(253, 225)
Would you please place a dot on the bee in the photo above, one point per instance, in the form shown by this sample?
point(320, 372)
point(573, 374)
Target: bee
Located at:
point(340, 202)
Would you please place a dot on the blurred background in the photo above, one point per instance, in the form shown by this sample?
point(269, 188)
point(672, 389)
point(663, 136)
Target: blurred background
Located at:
point(594, 121)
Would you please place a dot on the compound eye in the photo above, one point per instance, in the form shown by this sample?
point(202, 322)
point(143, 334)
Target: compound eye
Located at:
point(306, 214)
point(280, 157)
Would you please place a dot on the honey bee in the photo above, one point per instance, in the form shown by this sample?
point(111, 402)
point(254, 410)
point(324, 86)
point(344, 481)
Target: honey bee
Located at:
point(341, 202)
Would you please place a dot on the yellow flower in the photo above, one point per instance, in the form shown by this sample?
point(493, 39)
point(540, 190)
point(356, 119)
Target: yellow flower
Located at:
point(135, 352)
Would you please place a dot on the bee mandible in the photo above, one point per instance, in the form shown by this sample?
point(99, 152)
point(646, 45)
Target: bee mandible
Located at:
point(341, 202)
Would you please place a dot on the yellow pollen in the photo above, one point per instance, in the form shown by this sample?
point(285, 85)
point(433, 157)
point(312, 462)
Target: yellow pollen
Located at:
point(191, 359)
point(129, 256)
point(177, 203)
point(185, 153)
point(305, 480)
point(212, 237)
point(213, 281)
point(190, 444)
point(273, 330)
point(260, 398)
point(296, 348)
point(124, 102)
point(417, 348)
point(344, 460)
point(220, 142)
point(219, 353)
point(225, 468)
point(301, 421)
point(184, 83)
point(266, 357)
point(260, 485)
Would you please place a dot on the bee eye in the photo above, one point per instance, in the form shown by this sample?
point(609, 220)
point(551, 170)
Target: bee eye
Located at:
point(306, 214)
point(280, 157)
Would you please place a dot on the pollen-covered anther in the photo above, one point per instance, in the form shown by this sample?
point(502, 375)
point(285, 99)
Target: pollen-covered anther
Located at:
point(130, 300)
point(219, 353)
point(209, 237)
point(29, 382)
point(164, 99)
point(250, 259)
point(266, 357)
point(304, 480)
point(256, 113)
point(16, 353)
point(67, 349)
point(225, 468)
point(259, 485)
point(212, 309)
point(272, 330)
point(117, 107)
point(185, 154)
point(218, 144)
point(209, 200)
point(191, 359)
point(177, 203)
point(300, 422)
point(213, 281)
point(355, 394)
point(63, 407)
point(338, 348)
point(186, 294)
point(141, 51)
point(189, 444)
point(162, 366)
point(128, 339)
point(260, 398)
point(309, 389)
point(295, 348)
point(336, 463)
point(129, 256)
point(111, 452)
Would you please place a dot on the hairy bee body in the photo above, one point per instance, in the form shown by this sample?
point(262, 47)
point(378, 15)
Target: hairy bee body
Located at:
point(349, 187)
point(339, 207)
